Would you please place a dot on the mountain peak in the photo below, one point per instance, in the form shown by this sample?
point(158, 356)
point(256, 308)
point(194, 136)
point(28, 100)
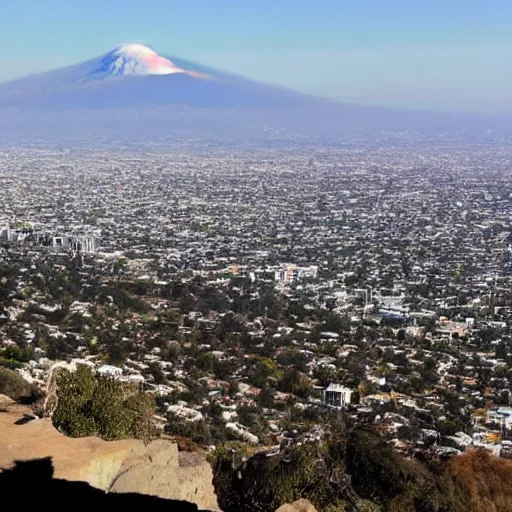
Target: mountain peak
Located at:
point(135, 59)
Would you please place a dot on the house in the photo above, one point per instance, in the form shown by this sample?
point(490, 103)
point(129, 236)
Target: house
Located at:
point(335, 395)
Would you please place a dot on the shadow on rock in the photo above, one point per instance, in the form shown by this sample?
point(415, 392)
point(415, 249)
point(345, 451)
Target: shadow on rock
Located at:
point(31, 484)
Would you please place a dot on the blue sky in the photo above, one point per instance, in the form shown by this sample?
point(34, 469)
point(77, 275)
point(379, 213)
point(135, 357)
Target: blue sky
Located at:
point(443, 55)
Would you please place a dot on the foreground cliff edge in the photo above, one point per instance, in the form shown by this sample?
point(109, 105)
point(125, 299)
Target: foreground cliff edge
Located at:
point(157, 469)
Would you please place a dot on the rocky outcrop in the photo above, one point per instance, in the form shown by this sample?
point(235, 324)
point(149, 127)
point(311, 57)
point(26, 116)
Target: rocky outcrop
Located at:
point(153, 470)
point(297, 506)
point(157, 469)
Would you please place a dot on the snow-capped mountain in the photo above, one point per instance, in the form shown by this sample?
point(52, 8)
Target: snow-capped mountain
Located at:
point(136, 59)
point(132, 87)
point(135, 76)
point(124, 61)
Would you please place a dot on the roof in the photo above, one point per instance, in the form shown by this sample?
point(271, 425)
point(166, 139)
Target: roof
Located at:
point(337, 387)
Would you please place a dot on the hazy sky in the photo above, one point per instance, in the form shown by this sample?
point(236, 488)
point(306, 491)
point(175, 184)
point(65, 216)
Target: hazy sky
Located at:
point(433, 54)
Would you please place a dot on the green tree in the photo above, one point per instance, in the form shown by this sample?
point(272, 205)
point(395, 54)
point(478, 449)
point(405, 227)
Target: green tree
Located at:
point(295, 382)
point(263, 368)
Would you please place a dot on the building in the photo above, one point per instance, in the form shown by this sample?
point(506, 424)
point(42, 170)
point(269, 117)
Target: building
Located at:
point(504, 415)
point(74, 243)
point(5, 232)
point(292, 273)
point(26, 232)
point(335, 395)
point(16, 231)
point(83, 244)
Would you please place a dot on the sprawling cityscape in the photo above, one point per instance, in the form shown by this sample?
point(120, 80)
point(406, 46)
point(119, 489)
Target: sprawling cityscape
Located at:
point(256, 294)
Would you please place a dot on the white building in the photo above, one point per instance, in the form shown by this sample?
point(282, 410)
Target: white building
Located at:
point(5, 232)
point(74, 243)
point(504, 415)
point(335, 395)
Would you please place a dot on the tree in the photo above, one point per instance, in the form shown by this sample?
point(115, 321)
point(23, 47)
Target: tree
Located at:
point(264, 368)
point(501, 351)
point(266, 397)
point(233, 388)
point(367, 387)
point(157, 373)
point(197, 431)
point(295, 382)
point(400, 335)
point(324, 375)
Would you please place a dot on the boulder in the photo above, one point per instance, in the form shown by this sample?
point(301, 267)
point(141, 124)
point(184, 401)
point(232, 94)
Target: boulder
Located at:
point(164, 472)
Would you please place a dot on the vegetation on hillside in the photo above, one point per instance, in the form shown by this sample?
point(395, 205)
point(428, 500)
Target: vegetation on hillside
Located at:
point(349, 469)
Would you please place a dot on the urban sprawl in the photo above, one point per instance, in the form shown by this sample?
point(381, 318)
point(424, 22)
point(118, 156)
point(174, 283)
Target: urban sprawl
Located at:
point(252, 292)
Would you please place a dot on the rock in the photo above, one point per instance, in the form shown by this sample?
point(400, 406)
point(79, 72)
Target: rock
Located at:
point(297, 506)
point(5, 401)
point(164, 472)
point(115, 466)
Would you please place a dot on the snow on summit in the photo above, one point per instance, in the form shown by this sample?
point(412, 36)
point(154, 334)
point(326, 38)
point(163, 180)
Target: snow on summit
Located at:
point(137, 59)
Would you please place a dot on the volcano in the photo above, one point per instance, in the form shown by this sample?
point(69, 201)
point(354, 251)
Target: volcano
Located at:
point(134, 75)
point(135, 60)
point(132, 91)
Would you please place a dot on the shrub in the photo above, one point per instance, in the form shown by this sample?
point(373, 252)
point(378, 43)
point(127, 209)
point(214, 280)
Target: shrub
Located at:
point(485, 478)
point(88, 404)
point(10, 363)
point(15, 353)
